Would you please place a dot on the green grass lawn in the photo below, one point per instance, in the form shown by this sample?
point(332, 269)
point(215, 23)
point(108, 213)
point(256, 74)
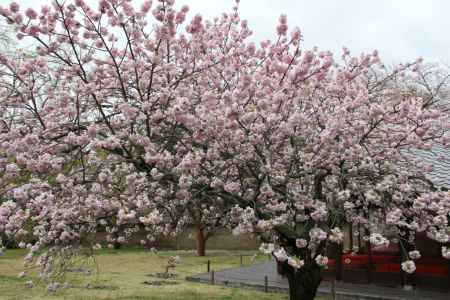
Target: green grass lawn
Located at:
point(121, 276)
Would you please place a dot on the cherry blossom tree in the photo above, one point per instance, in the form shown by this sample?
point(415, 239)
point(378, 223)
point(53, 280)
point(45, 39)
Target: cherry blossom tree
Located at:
point(324, 145)
point(119, 125)
point(118, 87)
point(310, 145)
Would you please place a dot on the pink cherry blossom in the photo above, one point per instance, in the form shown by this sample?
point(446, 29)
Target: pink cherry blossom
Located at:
point(14, 7)
point(31, 13)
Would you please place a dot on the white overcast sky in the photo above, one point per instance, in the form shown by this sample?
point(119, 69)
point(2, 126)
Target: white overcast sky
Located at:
point(400, 30)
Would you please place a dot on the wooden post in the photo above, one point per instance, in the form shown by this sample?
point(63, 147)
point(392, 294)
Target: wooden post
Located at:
point(359, 237)
point(448, 285)
point(338, 256)
point(370, 265)
point(266, 284)
point(212, 277)
point(406, 280)
point(208, 266)
point(333, 290)
point(241, 260)
point(350, 230)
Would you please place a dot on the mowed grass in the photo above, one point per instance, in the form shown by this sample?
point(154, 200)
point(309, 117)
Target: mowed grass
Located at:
point(121, 276)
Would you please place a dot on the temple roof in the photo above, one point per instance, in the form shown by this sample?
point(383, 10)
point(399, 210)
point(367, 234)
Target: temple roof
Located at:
point(439, 157)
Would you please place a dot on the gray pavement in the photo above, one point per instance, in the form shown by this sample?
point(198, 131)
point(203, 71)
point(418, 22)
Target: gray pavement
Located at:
point(254, 277)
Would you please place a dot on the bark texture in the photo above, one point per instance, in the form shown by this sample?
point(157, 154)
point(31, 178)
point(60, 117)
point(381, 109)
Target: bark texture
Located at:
point(303, 282)
point(201, 242)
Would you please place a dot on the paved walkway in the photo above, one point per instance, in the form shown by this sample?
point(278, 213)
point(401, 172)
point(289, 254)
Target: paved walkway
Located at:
point(254, 276)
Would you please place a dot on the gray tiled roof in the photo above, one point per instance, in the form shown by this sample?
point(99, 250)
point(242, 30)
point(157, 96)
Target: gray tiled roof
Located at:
point(439, 157)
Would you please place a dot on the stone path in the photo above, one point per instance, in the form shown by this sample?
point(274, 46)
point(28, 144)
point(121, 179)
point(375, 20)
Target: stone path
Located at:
point(254, 277)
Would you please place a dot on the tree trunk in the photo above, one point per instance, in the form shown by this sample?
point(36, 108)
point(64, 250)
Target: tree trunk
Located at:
point(201, 242)
point(370, 265)
point(116, 244)
point(304, 282)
